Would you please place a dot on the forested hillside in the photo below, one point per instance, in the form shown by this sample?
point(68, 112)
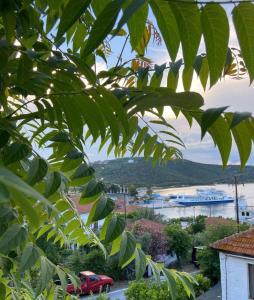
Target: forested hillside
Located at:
point(175, 173)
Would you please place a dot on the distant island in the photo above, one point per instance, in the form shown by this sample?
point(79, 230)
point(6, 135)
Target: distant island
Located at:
point(137, 171)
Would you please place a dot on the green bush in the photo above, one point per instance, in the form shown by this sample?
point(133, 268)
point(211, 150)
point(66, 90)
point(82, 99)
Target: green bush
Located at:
point(149, 289)
point(204, 284)
point(94, 261)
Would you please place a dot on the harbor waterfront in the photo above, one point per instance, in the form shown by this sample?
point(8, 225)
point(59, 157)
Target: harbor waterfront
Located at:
point(225, 210)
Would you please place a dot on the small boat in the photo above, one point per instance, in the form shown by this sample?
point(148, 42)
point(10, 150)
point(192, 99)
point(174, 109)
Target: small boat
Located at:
point(202, 197)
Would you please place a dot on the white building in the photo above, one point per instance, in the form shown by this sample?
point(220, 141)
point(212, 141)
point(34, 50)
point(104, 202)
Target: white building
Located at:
point(237, 266)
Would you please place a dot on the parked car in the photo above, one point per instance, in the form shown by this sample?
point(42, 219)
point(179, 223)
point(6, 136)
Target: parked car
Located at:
point(91, 283)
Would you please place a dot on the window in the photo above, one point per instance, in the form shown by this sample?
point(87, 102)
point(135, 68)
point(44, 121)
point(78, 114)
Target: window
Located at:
point(243, 213)
point(251, 281)
point(94, 278)
point(247, 214)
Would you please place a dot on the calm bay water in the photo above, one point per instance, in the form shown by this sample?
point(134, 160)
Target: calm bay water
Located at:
point(224, 210)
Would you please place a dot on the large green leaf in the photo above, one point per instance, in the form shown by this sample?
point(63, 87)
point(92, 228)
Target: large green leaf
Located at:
point(140, 263)
point(82, 175)
point(91, 192)
point(216, 34)
point(29, 257)
point(102, 26)
point(4, 137)
point(209, 117)
point(47, 271)
point(127, 248)
point(132, 9)
point(53, 183)
point(242, 139)
point(243, 17)
point(167, 25)
point(165, 97)
point(12, 238)
point(15, 152)
point(112, 228)
point(38, 169)
point(136, 25)
point(188, 19)
point(71, 13)
point(100, 210)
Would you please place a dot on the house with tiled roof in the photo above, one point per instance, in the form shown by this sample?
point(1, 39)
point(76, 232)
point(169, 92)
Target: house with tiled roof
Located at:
point(237, 265)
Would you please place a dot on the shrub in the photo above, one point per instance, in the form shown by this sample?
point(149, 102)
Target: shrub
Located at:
point(94, 261)
point(204, 284)
point(149, 289)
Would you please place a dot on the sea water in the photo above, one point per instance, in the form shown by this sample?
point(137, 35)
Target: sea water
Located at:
point(225, 210)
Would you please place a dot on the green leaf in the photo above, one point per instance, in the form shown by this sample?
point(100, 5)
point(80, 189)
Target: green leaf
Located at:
point(2, 291)
point(116, 245)
point(38, 169)
point(29, 257)
point(71, 13)
point(238, 117)
point(222, 138)
point(53, 183)
point(11, 181)
point(84, 68)
point(167, 24)
point(82, 175)
point(114, 227)
point(100, 210)
point(243, 17)
point(140, 263)
point(149, 146)
point(242, 139)
point(202, 69)
point(171, 281)
point(188, 19)
point(134, 6)
point(99, 5)
point(127, 248)
point(187, 78)
point(157, 76)
point(4, 137)
point(102, 26)
point(139, 140)
point(209, 117)
point(136, 25)
point(173, 74)
point(165, 97)
point(12, 238)
point(47, 271)
point(91, 192)
point(216, 34)
point(9, 20)
point(15, 152)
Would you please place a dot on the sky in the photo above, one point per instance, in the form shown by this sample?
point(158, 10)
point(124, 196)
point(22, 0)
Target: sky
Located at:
point(237, 94)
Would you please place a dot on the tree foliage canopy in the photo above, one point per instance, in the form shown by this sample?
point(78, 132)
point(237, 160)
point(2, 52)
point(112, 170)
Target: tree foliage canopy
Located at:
point(53, 97)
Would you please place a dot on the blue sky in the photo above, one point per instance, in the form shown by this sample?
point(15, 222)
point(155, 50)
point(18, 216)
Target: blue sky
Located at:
point(237, 94)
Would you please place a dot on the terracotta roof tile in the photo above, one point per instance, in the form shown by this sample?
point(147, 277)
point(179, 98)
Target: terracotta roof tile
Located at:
point(215, 221)
point(85, 208)
point(241, 243)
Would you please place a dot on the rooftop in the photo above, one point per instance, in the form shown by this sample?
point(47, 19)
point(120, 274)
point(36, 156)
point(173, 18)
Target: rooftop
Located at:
point(240, 244)
point(215, 221)
point(85, 208)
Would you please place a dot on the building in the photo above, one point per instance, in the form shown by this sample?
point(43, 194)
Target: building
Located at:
point(237, 265)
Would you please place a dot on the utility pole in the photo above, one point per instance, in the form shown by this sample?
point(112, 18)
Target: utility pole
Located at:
point(236, 203)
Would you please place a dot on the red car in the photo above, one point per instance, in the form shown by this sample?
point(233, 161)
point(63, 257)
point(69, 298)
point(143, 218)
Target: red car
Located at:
point(91, 283)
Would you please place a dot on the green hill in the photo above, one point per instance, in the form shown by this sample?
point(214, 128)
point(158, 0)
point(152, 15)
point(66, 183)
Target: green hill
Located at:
point(175, 173)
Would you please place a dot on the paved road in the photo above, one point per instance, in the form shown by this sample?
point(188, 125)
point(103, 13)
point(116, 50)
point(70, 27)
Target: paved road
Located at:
point(213, 294)
point(115, 295)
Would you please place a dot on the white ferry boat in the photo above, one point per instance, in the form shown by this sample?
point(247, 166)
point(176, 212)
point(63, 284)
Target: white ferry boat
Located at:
point(209, 196)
